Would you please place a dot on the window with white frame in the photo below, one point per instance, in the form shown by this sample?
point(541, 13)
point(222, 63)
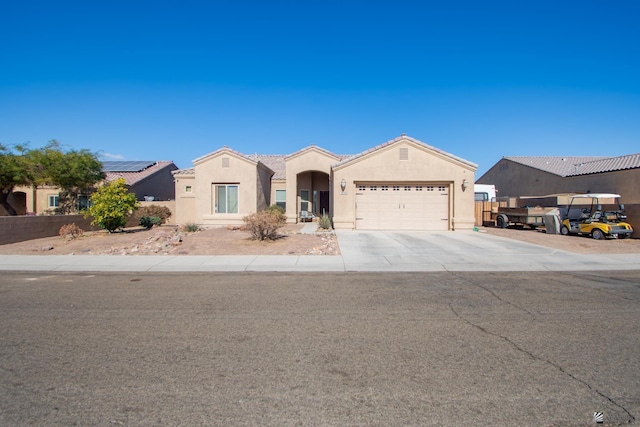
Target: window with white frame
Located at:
point(304, 200)
point(83, 202)
point(281, 199)
point(226, 198)
point(54, 201)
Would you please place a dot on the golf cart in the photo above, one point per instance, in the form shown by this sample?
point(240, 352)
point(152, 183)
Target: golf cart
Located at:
point(594, 221)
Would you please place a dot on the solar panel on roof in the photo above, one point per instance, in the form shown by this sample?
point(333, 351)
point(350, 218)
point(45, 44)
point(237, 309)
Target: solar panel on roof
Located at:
point(126, 166)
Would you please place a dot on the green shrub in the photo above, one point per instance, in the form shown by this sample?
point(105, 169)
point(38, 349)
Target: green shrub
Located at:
point(111, 205)
point(324, 222)
point(158, 211)
point(191, 227)
point(264, 225)
point(149, 221)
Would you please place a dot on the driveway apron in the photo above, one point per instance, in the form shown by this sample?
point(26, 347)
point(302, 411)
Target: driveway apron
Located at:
point(462, 251)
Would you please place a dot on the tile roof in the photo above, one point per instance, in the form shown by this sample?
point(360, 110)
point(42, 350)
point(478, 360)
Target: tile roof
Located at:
point(406, 138)
point(580, 165)
point(135, 177)
point(630, 161)
point(187, 171)
point(275, 162)
point(319, 149)
point(223, 148)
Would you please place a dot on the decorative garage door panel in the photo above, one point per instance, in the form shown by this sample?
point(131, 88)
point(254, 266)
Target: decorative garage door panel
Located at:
point(385, 206)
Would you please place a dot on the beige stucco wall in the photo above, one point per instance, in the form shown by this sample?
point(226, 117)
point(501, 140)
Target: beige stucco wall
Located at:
point(210, 171)
point(185, 210)
point(276, 185)
point(423, 165)
point(36, 200)
point(514, 179)
point(297, 177)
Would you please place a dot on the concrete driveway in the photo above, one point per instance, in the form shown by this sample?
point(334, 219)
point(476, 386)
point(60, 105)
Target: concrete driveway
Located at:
point(463, 251)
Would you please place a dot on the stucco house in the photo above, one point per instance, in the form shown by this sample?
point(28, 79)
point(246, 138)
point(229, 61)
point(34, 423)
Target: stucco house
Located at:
point(540, 175)
point(150, 179)
point(402, 184)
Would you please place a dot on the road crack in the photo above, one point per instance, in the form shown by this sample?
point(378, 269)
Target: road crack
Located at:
point(539, 359)
point(495, 295)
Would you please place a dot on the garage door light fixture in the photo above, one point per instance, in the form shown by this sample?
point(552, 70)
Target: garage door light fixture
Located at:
point(343, 185)
point(465, 184)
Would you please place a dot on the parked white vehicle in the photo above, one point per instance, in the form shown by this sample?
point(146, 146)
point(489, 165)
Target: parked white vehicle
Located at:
point(485, 192)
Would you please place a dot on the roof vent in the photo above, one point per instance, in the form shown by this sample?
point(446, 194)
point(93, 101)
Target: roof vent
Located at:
point(404, 153)
point(225, 162)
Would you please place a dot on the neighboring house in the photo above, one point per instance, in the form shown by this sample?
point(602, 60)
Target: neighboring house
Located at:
point(539, 176)
point(150, 179)
point(401, 184)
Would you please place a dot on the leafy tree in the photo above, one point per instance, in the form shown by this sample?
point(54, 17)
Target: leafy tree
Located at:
point(15, 170)
point(111, 205)
point(75, 172)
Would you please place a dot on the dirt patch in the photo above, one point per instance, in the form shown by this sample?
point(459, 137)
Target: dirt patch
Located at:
point(168, 240)
point(577, 244)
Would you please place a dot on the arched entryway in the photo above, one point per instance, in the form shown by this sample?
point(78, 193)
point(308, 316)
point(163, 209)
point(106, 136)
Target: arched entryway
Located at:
point(312, 190)
point(307, 180)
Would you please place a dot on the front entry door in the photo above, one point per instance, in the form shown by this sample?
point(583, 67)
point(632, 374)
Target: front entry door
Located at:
point(323, 203)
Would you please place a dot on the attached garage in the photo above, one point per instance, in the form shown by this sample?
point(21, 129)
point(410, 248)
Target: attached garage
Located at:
point(403, 184)
point(402, 206)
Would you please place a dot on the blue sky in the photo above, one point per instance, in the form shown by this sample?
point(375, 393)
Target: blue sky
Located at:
point(163, 80)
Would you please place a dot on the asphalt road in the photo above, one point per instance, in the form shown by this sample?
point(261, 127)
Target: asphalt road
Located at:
point(534, 348)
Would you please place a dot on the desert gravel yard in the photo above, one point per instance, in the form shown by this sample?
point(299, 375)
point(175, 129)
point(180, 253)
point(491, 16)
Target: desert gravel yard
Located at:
point(168, 240)
point(577, 244)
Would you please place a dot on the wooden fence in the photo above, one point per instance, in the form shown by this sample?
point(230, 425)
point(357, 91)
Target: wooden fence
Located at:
point(483, 211)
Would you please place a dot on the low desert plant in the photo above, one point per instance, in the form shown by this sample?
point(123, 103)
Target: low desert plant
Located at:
point(149, 221)
point(275, 209)
point(264, 225)
point(158, 211)
point(324, 222)
point(70, 231)
point(191, 227)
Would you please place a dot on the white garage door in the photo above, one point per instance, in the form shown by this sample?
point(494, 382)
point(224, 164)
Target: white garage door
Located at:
point(398, 206)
